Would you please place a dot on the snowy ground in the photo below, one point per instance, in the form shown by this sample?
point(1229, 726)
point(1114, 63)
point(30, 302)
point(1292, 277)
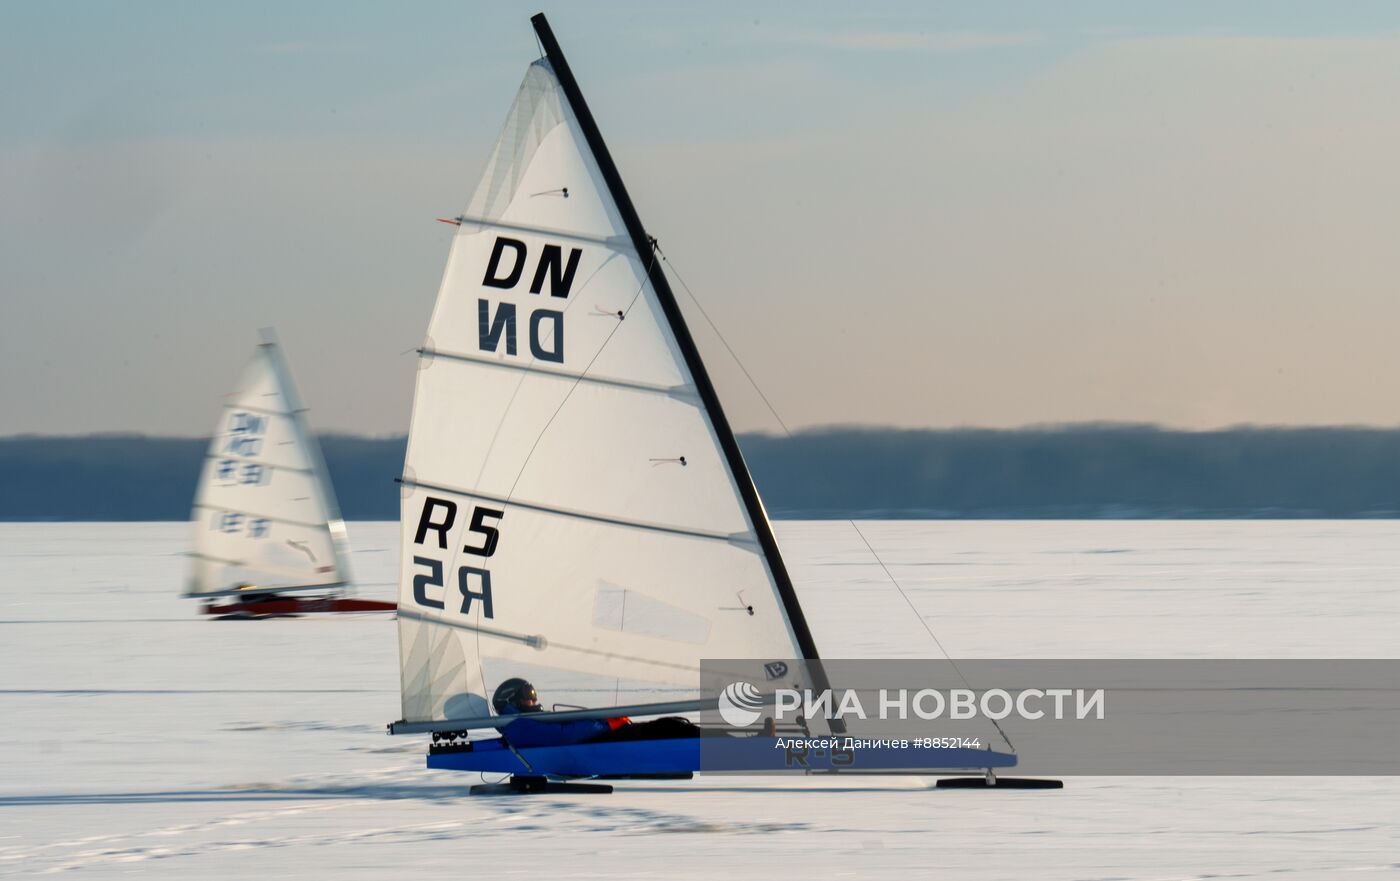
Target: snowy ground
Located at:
point(140, 740)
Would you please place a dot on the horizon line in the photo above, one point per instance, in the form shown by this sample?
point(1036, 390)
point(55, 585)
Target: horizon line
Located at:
point(832, 428)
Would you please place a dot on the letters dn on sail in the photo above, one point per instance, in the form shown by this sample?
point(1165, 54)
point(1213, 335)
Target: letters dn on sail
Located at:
point(473, 583)
point(496, 322)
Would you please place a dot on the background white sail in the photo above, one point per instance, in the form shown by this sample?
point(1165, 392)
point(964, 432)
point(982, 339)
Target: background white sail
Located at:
point(265, 516)
point(568, 512)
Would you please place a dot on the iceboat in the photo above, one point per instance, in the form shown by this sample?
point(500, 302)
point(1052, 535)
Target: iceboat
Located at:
point(268, 539)
point(575, 508)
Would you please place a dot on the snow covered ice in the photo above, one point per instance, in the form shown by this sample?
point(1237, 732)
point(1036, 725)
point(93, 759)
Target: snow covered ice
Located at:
point(142, 740)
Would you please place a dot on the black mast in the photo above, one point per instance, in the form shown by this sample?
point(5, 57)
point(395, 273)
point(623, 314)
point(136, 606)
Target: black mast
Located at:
point(642, 242)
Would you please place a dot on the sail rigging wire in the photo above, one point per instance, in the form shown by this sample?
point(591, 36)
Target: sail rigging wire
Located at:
point(696, 300)
point(924, 621)
point(788, 433)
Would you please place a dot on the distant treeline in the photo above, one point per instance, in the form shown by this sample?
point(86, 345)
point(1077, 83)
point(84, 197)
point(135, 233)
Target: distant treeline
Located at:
point(1081, 471)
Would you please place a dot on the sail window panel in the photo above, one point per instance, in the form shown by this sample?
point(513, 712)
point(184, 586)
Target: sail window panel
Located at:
point(543, 440)
point(544, 575)
point(627, 610)
point(575, 334)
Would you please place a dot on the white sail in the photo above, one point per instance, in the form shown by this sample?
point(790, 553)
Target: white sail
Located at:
point(265, 517)
point(570, 513)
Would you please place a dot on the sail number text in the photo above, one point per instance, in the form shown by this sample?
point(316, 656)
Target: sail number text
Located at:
point(473, 582)
point(505, 270)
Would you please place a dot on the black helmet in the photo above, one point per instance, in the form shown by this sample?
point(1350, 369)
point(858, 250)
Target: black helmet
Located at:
point(516, 694)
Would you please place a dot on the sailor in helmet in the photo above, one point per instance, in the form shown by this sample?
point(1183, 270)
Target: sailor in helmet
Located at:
point(517, 697)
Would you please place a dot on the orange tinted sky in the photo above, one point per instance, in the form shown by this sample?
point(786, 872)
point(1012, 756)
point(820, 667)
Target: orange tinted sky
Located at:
point(908, 215)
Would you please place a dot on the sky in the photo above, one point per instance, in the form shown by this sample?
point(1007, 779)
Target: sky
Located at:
point(897, 214)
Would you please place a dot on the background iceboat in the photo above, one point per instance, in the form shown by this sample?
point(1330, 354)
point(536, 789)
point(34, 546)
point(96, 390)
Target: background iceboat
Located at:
point(268, 538)
point(576, 509)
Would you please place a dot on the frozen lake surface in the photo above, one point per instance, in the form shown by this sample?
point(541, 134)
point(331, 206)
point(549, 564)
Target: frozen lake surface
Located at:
point(140, 740)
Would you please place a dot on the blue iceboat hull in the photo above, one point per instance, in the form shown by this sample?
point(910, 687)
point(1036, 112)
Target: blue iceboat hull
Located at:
point(719, 754)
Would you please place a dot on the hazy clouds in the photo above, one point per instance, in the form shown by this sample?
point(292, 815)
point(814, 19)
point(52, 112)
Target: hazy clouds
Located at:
point(900, 217)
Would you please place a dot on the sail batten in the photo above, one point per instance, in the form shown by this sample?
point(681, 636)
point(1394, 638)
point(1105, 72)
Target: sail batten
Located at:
point(540, 643)
point(614, 242)
point(574, 507)
point(581, 515)
point(264, 515)
point(680, 392)
point(266, 463)
point(265, 411)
